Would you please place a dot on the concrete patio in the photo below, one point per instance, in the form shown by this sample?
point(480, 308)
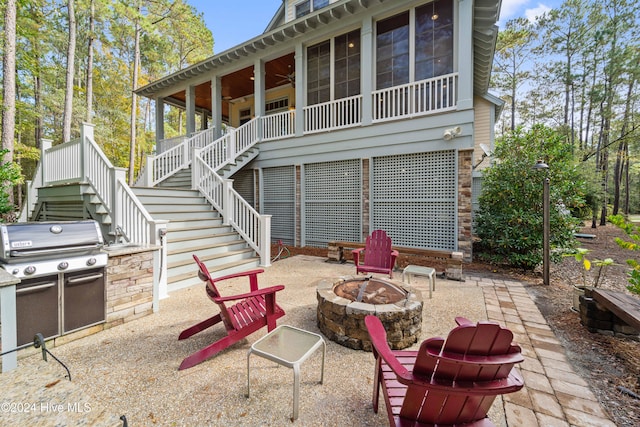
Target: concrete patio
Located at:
point(131, 369)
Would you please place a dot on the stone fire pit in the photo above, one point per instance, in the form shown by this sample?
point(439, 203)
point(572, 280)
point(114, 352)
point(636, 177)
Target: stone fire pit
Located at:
point(344, 302)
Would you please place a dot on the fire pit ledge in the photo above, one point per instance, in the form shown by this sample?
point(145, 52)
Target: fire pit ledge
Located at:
point(342, 320)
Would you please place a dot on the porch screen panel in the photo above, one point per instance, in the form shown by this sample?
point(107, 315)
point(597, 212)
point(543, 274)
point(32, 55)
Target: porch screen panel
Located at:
point(243, 184)
point(414, 199)
point(332, 202)
point(279, 190)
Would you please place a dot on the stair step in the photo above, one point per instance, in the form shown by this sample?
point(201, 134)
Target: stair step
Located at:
point(177, 206)
point(195, 223)
point(191, 279)
point(195, 234)
point(237, 249)
point(166, 192)
point(184, 216)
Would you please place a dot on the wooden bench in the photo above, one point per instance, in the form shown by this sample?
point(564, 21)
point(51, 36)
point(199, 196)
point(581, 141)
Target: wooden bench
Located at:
point(451, 261)
point(624, 306)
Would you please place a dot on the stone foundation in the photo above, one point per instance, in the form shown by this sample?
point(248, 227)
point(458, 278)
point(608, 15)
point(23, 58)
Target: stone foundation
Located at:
point(342, 320)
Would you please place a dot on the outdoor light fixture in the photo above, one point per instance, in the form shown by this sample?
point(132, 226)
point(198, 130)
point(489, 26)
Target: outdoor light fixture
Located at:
point(486, 152)
point(542, 166)
point(449, 134)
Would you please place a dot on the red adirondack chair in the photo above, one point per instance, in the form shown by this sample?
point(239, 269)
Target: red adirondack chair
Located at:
point(446, 382)
point(378, 255)
point(251, 312)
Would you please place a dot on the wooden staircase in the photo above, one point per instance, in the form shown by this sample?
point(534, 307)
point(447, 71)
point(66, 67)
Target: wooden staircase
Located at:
point(194, 228)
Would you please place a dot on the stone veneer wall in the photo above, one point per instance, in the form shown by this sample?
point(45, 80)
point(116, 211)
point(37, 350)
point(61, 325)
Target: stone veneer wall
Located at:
point(465, 180)
point(129, 287)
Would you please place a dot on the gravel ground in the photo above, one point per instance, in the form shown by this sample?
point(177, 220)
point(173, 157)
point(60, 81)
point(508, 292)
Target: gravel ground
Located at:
point(132, 369)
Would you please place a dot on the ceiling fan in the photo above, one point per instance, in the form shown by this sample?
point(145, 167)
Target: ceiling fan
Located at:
point(289, 77)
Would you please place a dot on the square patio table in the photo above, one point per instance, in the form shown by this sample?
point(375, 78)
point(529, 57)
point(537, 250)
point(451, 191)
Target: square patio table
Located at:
point(288, 346)
point(417, 270)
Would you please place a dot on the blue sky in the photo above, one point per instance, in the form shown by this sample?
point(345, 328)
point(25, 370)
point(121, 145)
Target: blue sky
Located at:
point(235, 21)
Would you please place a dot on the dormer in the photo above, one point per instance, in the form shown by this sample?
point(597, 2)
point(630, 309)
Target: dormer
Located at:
point(291, 10)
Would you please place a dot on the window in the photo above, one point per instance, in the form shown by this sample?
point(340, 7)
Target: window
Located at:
point(346, 71)
point(281, 104)
point(433, 45)
point(347, 65)
point(305, 7)
point(434, 39)
point(319, 73)
point(245, 116)
point(392, 51)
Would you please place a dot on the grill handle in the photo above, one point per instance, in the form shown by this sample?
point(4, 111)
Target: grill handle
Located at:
point(36, 288)
point(83, 279)
point(51, 251)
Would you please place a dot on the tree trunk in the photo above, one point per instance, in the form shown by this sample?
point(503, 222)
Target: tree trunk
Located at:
point(623, 148)
point(90, 63)
point(134, 84)
point(68, 96)
point(9, 80)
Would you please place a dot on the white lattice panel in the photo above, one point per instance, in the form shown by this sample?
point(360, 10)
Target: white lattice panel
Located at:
point(279, 191)
point(243, 184)
point(332, 202)
point(414, 199)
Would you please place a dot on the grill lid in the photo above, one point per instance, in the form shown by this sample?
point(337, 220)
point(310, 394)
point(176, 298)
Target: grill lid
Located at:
point(45, 238)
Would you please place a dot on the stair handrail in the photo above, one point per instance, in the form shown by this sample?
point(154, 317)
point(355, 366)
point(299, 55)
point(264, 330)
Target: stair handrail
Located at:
point(237, 141)
point(169, 162)
point(253, 227)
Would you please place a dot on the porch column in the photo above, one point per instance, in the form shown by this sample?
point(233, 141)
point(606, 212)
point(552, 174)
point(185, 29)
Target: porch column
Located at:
point(258, 92)
point(159, 119)
point(301, 84)
point(465, 54)
point(366, 72)
point(216, 106)
point(191, 109)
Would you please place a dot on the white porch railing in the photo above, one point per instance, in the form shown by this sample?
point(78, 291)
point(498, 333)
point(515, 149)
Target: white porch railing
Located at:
point(81, 160)
point(167, 163)
point(169, 143)
point(254, 228)
point(413, 99)
point(279, 125)
point(333, 115)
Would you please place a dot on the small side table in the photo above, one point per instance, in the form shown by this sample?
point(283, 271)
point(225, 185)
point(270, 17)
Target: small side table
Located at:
point(417, 270)
point(288, 346)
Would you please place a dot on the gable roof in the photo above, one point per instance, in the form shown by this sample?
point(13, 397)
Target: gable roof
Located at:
point(485, 32)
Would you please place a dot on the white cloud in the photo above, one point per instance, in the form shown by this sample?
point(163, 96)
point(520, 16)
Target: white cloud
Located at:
point(511, 8)
point(532, 14)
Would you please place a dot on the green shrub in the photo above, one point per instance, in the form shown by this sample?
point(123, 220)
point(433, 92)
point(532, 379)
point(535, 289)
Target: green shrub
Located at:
point(633, 231)
point(509, 221)
point(10, 175)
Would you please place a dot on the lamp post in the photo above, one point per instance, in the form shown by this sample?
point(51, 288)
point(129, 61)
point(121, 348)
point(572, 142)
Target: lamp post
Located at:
point(540, 165)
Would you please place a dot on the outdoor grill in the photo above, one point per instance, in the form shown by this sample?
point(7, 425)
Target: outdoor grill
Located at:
point(62, 272)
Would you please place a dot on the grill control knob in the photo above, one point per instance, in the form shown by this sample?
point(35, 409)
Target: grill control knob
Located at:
point(63, 265)
point(91, 261)
point(30, 270)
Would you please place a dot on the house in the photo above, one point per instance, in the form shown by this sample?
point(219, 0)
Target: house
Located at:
point(343, 117)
